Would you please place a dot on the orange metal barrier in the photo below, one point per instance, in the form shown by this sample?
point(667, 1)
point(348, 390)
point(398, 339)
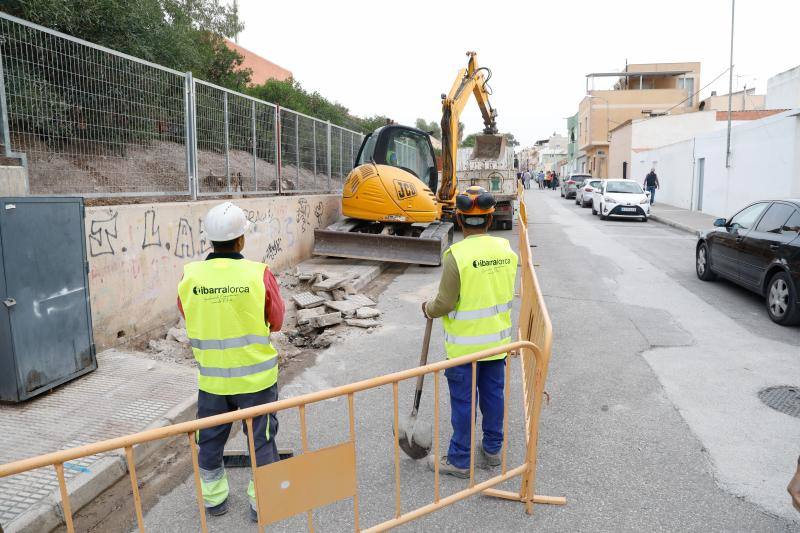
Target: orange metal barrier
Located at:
point(320, 477)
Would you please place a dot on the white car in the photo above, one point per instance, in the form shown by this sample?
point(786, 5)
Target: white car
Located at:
point(584, 195)
point(621, 198)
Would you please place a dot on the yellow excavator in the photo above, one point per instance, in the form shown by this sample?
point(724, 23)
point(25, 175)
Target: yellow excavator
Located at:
point(392, 213)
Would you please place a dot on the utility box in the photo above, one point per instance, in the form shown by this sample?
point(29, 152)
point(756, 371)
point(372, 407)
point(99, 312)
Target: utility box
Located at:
point(45, 319)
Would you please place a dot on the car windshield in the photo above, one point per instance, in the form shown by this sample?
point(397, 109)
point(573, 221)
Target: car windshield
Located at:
point(628, 187)
point(594, 183)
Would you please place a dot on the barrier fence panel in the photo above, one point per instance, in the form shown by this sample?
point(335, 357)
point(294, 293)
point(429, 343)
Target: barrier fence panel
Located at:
point(91, 121)
point(236, 150)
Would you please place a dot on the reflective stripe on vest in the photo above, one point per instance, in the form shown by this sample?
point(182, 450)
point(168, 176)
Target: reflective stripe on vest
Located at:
point(478, 339)
point(487, 269)
point(239, 371)
point(223, 300)
point(223, 344)
point(486, 312)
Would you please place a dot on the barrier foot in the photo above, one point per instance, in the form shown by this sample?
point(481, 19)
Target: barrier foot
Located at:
point(537, 498)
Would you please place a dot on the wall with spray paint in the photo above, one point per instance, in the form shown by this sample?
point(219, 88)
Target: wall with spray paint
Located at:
point(137, 252)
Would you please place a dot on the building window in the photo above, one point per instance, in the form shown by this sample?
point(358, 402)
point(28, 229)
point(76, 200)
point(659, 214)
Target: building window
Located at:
point(688, 84)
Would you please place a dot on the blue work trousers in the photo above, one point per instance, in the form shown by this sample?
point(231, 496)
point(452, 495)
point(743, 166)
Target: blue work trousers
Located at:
point(490, 383)
point(212, 440)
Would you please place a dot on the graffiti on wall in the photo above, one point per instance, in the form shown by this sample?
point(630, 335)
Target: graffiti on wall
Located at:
point(137, 253)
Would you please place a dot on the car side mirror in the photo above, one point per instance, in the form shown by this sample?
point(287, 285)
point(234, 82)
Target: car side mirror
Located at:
point(720, 222)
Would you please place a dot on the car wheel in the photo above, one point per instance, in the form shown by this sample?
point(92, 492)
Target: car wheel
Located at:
point(782, 300)
point(702, 265)
point(594, 211)
point(644, 219)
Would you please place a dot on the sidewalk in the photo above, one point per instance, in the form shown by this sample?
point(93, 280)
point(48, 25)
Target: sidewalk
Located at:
point(682, 219)
point(124, 395)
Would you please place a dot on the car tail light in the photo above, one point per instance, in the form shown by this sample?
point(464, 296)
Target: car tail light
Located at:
point(570, 182)
point(588, 189)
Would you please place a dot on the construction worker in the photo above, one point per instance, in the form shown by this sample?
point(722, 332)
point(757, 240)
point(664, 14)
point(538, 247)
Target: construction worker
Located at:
point(474, 300)
point(231, 305)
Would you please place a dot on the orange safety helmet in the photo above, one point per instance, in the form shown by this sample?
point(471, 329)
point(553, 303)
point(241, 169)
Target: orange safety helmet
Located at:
point(475, 201)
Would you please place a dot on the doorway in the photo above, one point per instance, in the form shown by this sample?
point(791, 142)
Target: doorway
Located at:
point(701, 170)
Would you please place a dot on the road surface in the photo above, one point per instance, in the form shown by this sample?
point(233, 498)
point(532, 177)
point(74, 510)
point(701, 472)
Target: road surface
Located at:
point(654, 423)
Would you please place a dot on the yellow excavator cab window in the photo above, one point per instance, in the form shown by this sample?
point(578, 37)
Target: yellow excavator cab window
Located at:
point(410, 151)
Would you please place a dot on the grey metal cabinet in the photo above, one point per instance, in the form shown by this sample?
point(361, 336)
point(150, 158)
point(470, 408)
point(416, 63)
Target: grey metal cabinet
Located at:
point(45, 318)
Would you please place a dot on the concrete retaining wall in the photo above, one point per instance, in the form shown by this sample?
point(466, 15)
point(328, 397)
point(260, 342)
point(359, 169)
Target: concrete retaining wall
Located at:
point(13, 181)
point(137, 252)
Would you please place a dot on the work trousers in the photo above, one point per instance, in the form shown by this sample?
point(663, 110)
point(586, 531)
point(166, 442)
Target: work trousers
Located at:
point(490, 382)
point(214, 481)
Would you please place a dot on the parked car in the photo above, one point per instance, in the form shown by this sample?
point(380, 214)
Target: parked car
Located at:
point(621, 198)
point(759, 249)
point(569, 187)
point(585, 192)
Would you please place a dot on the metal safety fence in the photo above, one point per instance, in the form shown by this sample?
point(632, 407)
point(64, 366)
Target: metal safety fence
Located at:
point(317, 478)
point(90, 121)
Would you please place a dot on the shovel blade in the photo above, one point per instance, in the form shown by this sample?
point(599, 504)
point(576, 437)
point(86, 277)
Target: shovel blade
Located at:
point(415, 437)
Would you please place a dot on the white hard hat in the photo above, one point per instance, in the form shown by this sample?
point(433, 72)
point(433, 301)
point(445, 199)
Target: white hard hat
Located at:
point(225, 222)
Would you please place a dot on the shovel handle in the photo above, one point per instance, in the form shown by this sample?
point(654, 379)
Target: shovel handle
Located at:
point(423, 360)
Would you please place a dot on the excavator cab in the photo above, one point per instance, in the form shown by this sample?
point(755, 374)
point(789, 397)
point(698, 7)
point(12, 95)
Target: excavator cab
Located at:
point(406, 148)
point(392, 179)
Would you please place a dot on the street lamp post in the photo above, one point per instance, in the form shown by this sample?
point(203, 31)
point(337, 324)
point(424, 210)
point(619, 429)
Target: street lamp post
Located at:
point(730, 91)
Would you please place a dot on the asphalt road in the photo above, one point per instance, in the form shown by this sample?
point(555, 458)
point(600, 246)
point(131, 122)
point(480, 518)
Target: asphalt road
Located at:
point(653, 425)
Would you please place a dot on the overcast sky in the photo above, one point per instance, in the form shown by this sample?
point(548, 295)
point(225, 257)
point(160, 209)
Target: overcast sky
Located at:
point(396, 58)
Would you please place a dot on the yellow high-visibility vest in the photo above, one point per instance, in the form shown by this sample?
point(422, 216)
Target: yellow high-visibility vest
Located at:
point(223, 301)
point(482, 318)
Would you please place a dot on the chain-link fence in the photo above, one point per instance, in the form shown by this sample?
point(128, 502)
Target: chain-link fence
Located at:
point(90, 121)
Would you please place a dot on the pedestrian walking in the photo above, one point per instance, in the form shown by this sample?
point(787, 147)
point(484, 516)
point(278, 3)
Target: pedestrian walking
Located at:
point(651, 184)
point(548, 180)
point(474, 301)
point(541, 179)
point(231, 305)
point(526, 179)
point(554, 181)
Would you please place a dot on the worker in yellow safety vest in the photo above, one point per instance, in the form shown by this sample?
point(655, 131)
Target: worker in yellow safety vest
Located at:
point(231, 305)
point(474, 300)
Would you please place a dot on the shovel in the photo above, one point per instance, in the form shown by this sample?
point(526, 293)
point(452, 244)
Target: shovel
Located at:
point(416, 437)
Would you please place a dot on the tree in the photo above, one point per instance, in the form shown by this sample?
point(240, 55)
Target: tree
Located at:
point(434, 127)
point(186, 35)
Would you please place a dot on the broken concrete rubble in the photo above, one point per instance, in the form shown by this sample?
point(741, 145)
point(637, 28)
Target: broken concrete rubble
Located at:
point(326, 320)
point(307, 299)
point(367, 312)
point(304, 316)
point(362, 322)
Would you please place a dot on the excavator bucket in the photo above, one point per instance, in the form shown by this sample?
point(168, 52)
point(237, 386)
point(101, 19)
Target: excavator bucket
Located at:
point(340, 240)
point(489, 147)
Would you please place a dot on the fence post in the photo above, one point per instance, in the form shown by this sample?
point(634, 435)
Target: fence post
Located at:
point(191, 135)
point(4, 106)
point(255, 146)
point(297, 145)
point(278, 147)
point(329, 156)
point(314, 134)
point(227, 145)
point(341, 154)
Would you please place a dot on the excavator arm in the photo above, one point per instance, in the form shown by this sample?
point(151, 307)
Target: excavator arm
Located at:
point(469, 81)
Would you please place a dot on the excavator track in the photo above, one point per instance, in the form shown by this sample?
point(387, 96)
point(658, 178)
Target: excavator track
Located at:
point(420, 244)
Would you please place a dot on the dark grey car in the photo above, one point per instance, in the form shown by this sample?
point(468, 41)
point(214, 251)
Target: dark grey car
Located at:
point(759, 249)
